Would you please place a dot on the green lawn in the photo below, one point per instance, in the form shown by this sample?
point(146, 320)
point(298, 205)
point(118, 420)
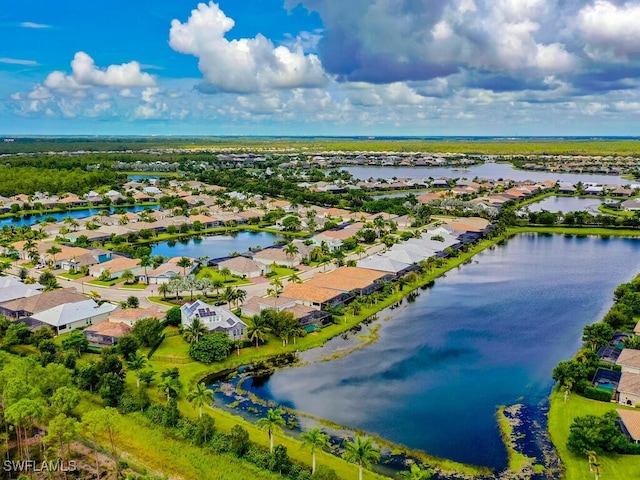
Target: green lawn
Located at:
point(134, 286)
point(213, 274)
point(71, 276)
point(561, 415)
point(621, 213)
point(108, 283)
point(281, 271)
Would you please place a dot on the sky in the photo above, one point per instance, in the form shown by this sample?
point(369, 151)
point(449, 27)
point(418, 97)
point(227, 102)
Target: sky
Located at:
point(320, 67)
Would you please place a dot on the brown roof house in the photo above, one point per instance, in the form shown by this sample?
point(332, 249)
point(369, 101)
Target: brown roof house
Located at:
point(629, 360)
point(629, 388)
point(245, 267)
point(130, 316)
point(106, 333)
point(630, 424)
point(116, 267)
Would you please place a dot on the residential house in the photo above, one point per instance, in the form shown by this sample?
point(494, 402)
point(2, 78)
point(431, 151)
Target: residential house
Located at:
point(278, 256)
point(130, 316)
point(630, 424)
point(165, 272)
point(312, 295)
point(245, 267)
point(629, 360)
point(12, 289)
point(106, 333)
point(629, 388)
point(632, 205)
point(116, 267)
point(382, 263)
point(352, 280)
point(27, 306)
point(215, 319)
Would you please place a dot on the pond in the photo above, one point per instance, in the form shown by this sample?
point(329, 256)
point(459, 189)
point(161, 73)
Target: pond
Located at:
point(215, 246)
point(566, 204)
point(82, 213)
point(486, 170)
point(487, 334)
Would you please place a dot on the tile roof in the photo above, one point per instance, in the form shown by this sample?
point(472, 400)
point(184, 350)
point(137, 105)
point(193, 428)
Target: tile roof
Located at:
point(109, 329)
point(629, 358)
point(629, 383)
point(44, 301)
point(309, 292)
point(135, 314)
point(242, 265)
point(631, 421)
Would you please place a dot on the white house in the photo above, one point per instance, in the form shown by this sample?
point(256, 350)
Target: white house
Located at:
point(215, 319)
point(68, 316)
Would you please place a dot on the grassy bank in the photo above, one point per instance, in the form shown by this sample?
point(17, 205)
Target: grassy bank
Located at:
point(518, 462)
point(561, 416)
point(587, 230)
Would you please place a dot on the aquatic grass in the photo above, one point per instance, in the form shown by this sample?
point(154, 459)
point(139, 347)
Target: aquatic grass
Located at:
point(518, 462)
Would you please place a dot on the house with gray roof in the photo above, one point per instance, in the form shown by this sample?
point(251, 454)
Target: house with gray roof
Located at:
point(245, 267)
point(12, 289)
point(381, 263)
point(68, 316)
point(215, 319)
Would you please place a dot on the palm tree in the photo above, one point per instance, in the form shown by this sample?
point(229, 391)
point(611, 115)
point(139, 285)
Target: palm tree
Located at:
point(229, 295)
point(566, 387)
point(217, 284)
point(258, 330)
point(170, 387)
point(272, 423)
point(200, 396)
point(294, 278)
point(416, 473)
point(184, 262)
point(315, 439)
point(93, 295)
point(276, 283)
point(145, 262)
point(225, 272)
point(53, 251)
point(240, 296)
point(593, 459)
point(128, 276)
point(136, 363)
point(360, 250)
point(163, 289)
point(363, 452)
point(195, 331)
point(291, 250)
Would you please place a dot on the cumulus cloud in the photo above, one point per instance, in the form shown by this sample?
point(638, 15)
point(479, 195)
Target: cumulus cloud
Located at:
point(611, 31)
point(243, 65)
point(85, 73)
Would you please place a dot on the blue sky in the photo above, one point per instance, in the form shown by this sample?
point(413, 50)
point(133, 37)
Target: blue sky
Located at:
point(321, 67)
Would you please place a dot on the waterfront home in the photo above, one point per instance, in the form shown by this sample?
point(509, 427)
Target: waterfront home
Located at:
point(312, 295)
point(245, 267)
point(215, 319)
point(630, 424)
point(106, 333)
point(116, 267)
point(433, 196)
point(278, 256)
point(629, 360)
point(632, 205)
point(566, 188)
point(609, 353)
point(90, 258)
point(93, 197)
point(130, 316)
point(165, 272)
point(629, 389)
point(385, 264)
point(12, 289)
point(255, 305)
point(352, 280)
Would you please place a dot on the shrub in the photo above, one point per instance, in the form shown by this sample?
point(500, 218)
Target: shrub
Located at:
point(210, 348)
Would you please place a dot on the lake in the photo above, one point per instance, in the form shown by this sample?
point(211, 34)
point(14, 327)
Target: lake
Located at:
point(82, 213)
point(487, 334)
point(566, 204)
point(215, 246)
point(486, 170)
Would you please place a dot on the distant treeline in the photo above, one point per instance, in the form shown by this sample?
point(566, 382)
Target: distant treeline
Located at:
point(480, 146)
point(28, 180)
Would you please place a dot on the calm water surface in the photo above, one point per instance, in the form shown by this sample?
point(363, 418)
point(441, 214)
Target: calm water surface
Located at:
point(487, 334)
point(215, 246)
point(486, 170)
point(566, 204)
point(83, 213)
